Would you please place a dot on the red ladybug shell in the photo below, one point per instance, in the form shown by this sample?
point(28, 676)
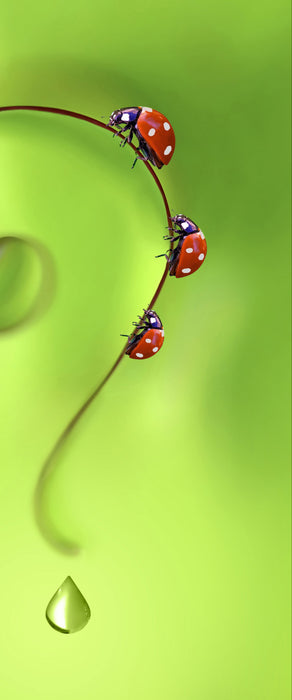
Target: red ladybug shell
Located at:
point(149, 345)
point(158, 133)
point(192, 254)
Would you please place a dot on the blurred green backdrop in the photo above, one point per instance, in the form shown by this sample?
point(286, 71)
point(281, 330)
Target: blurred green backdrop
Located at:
point(176, 482)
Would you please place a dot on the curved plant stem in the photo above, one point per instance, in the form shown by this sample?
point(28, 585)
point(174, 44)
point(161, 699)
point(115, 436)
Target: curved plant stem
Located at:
point(47, 468)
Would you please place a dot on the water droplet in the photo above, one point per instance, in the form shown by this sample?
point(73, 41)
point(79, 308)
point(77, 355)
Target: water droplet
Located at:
point(68, 610)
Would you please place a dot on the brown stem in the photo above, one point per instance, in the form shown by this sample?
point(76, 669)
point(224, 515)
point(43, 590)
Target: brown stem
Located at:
point(64, 546)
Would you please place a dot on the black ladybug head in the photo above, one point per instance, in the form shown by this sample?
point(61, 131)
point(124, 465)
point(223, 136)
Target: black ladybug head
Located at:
point(115, 117)
point(152, 320)
point(179, 219)
point(185, 223)
point(126, 116)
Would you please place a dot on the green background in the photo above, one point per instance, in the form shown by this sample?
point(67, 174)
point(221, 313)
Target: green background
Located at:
point(176, 482)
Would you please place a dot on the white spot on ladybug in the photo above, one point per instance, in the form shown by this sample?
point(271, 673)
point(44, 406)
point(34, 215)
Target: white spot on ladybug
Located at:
point(125, 117)
point(155, 349)
point(202, 235)
point(139, 354)
point(151, 132)
point(189, 250)
point(184, 223)
point(167, 150)
point(166, 126)
point(147, 340)
point(201, 256)
point(147, 109)
point(186, 270)
point(153, 320)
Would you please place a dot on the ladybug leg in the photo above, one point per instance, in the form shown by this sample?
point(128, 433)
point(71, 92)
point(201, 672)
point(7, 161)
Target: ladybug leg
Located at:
point(120, 131)
point(129, 137)
point(171, 238)
point(163, 255)
point(139, 158)
point(143, 150)
point(138, 325)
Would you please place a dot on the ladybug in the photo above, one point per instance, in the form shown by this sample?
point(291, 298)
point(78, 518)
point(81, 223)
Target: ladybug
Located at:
point(154, 132)
point(191, 249)
point(150, 339)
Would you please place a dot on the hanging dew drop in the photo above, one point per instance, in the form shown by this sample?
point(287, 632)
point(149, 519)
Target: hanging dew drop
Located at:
point(68, 610)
